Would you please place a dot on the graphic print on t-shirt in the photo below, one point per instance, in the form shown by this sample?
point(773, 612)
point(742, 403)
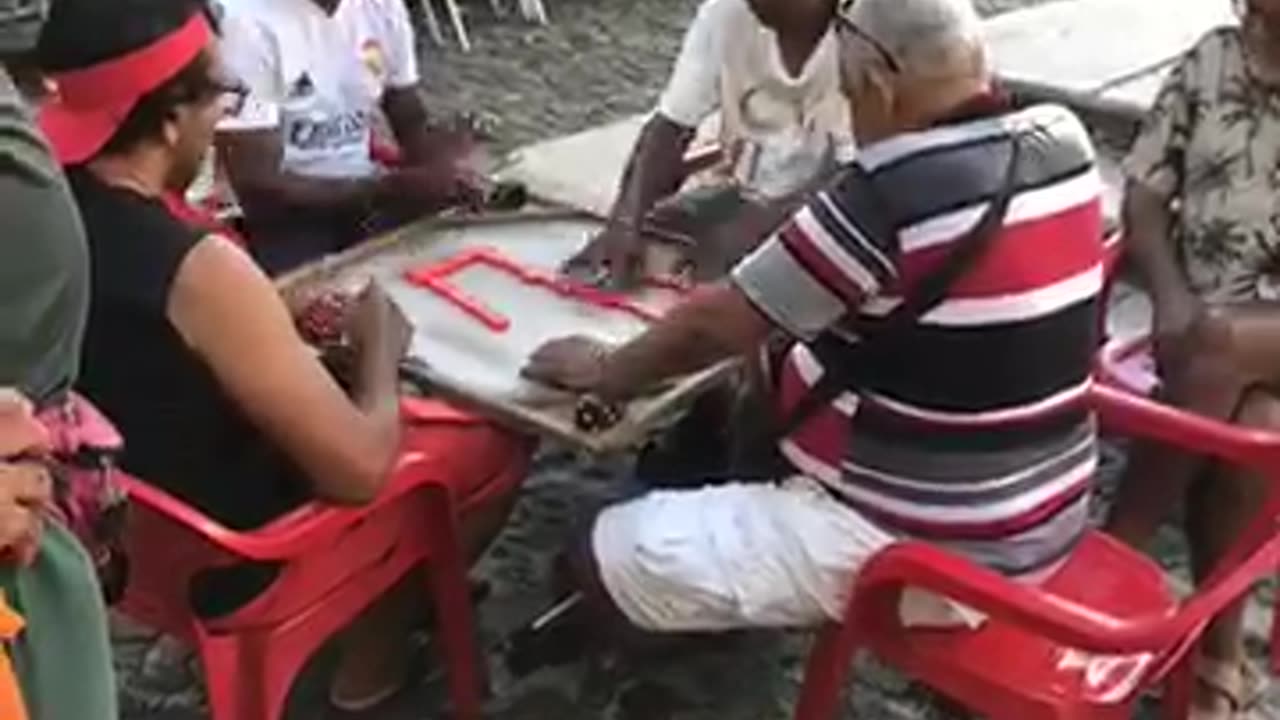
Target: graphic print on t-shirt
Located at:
point(782, 142)
point(302, 87)
point(325, 121)
point(318, 78)
point(375, 61)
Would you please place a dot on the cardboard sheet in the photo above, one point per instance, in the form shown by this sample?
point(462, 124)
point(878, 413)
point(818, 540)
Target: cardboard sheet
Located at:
point(464, 359)
point(1108, 55)
point(583, 170)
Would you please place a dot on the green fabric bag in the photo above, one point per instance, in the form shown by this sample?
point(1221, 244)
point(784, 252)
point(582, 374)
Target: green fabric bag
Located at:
point(63, 657)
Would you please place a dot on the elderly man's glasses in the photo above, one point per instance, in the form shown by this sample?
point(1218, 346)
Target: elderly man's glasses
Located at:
point(850, 27)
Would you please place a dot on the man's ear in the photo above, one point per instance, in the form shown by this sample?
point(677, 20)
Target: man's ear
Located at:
point(880, 84)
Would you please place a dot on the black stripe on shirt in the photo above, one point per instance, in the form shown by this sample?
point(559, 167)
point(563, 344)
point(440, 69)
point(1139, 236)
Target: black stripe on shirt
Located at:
point(992, 366)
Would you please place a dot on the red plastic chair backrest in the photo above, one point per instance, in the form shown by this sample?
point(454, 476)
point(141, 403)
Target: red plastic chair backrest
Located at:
point(167, 533)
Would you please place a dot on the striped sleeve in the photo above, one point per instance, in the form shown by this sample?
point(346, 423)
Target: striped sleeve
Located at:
point(835, 253)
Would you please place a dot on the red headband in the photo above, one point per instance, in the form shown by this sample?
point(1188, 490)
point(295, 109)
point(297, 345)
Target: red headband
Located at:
point(90, 103)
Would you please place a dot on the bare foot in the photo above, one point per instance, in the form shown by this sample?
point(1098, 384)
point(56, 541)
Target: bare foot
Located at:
point(370, 672)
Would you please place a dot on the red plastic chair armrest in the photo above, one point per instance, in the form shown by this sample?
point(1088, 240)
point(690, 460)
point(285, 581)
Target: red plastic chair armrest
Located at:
point(1129, 414)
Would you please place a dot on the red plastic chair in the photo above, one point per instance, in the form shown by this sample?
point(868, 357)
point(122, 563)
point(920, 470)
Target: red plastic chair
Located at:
point(334, 562)
point(1086, 643)
point(1130, 366)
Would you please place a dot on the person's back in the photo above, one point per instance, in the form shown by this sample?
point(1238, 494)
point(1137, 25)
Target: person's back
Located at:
point(976, 436)
point(971, 428)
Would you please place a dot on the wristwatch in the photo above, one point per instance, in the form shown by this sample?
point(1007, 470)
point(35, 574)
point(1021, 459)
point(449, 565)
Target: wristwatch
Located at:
point(592, 412)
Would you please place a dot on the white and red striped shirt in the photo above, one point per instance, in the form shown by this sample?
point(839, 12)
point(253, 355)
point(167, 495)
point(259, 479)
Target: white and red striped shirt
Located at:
point(978, 437)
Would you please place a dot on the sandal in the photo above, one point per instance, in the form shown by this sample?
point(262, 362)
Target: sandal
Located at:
point(416, 666)
point(1240, 684)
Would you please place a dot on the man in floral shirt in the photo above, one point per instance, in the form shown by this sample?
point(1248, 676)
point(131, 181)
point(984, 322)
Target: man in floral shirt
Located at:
point(1202, 216)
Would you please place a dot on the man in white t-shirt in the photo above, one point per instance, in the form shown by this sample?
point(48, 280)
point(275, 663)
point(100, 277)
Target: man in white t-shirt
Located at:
point(769, 67)
point(298, 151)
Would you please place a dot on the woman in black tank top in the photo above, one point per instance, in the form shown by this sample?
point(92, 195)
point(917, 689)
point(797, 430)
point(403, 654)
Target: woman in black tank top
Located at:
point(190, 349)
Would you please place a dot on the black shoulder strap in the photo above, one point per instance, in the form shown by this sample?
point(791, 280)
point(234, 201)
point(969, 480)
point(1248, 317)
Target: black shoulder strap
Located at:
point(840, 360)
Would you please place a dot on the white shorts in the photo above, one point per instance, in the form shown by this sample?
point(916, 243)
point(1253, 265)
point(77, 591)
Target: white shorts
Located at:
point(739, 556)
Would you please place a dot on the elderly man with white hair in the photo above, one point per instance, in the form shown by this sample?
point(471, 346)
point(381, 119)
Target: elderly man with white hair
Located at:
point(946, 284)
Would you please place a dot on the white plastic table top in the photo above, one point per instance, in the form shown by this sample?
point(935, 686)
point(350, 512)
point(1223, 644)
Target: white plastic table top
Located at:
point(463, 357)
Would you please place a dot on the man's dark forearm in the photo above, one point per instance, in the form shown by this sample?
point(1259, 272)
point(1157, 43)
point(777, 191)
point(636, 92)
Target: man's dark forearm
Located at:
point(411, 124)
point(289, 190)
point(253, 160)
point(1148, 221)
point(654, 171)
point(756, 221)
point(715, 325)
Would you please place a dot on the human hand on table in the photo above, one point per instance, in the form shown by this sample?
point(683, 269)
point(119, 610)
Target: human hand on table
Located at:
point(26, 486)
point(574, 363)
point(613, 257)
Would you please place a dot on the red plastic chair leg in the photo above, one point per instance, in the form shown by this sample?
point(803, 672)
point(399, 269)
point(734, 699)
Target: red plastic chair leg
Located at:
point(223, 685)
point(1275, 636)
point(456, 630)
point(248, 677)
point(825, 674)
point(1175, 701)
point(237, 681)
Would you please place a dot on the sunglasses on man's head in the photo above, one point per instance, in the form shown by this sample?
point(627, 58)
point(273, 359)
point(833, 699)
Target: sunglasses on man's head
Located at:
point(844, 23)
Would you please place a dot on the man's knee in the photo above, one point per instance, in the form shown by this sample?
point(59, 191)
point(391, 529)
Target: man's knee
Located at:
point(579, 569)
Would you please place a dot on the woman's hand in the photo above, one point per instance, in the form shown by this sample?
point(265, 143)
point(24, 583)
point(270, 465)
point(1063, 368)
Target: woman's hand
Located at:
point(574, 363)
point(26, 487)
point(377, 324)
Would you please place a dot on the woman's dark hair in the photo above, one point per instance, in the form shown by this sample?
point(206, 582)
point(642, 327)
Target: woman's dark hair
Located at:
point(84, 33)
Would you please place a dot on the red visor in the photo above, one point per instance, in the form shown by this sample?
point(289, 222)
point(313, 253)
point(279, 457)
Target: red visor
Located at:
point(90, 103)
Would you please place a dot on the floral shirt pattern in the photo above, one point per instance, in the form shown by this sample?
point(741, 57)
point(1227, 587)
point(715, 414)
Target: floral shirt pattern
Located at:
point(1211, 145)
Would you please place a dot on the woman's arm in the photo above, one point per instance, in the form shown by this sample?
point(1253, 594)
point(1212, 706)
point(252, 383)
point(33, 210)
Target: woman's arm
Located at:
point(231, 315)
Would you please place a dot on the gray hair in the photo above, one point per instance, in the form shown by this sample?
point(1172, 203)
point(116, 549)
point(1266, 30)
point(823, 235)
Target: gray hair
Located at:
point(926, 37)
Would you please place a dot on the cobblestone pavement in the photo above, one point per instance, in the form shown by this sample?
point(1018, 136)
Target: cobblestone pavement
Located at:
point(599, 60)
